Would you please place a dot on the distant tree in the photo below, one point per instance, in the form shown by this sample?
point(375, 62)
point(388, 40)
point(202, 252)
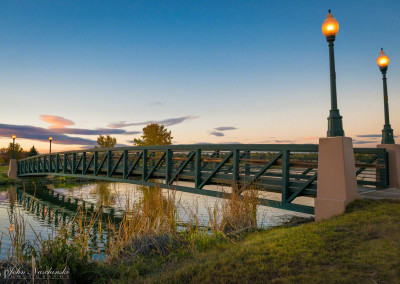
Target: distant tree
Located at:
point(19, 152)
point(106, 141)
point(154, 134)
point(33, 152)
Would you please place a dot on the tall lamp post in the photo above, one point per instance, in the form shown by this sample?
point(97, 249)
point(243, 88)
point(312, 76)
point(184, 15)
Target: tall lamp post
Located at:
point(50, 139)
point(387, 132)
point(330, 28)
point(13, 147)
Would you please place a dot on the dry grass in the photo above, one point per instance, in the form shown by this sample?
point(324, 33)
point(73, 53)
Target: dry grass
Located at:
point(150, 227)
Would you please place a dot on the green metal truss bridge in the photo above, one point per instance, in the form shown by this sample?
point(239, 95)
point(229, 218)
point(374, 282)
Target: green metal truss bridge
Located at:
point(286, 171)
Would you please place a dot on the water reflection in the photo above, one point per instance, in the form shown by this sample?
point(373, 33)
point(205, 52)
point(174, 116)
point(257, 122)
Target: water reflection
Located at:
point(47, 207)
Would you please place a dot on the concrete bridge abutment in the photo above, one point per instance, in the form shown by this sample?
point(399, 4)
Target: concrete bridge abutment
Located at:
point(13, 169)
point(337, 181)
point(393, 151)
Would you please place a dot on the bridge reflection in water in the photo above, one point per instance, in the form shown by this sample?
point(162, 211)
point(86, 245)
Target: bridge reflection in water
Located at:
point(54, 210)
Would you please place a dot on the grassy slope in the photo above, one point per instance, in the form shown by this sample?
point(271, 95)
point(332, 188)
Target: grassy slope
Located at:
point(361, 246)
point(4, 180)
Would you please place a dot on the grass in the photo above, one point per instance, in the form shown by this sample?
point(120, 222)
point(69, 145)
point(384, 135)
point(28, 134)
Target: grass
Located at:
point(3, 169)
point(360, 246)
point(151, 246)
point(149, 235)
point(4, 180)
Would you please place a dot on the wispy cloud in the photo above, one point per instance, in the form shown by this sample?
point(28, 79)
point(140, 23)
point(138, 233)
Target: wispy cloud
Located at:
point(225, 128)
point(216, 133)
point(101, 131)
point(372, 136)
point(56, 121)
point(362, 142)
point(42, 134)
point(166, 122)
point(285, 141)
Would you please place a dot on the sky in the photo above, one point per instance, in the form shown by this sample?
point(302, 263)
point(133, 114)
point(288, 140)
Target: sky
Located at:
point(210, 71)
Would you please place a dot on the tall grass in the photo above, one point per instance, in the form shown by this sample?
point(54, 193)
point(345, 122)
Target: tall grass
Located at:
point(149, 226)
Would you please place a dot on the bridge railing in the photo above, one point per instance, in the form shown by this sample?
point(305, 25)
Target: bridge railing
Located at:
point(290, 171)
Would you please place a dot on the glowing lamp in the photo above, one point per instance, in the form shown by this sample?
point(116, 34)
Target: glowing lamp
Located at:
point(382, 60)
point(330, 27)
point(13, 137)
point(50, 138)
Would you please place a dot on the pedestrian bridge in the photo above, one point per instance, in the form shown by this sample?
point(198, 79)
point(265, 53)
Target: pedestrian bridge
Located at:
point(290, 170)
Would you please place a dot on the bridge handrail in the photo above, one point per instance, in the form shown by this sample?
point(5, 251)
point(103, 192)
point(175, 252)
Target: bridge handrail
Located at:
point(185, 147)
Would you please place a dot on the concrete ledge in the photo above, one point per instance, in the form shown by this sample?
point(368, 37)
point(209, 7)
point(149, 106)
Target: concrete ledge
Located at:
point(393, 151)
point(337, 181)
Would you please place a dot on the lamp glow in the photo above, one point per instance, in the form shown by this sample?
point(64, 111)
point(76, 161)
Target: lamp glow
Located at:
point(50, 138)
point(383, 59)
point(13, 137)
point(330, 26)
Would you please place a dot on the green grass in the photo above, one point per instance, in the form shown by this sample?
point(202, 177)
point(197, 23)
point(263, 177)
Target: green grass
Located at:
point(360, 246)
point(4, 180)
point(3, 169)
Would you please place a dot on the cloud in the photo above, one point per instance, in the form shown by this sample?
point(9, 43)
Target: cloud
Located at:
point(369, 135)
point(225, 128)
point(56, 121)
point(166, 122)
point(216, 133)
point(42, 134)
point(101, 131)
point(285, 141)
point(155, 103)
point(362, 142)
point(373, 136)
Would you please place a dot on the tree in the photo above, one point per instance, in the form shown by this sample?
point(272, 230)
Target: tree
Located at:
point(33, 152)
point(19, 152)
point(106, 141)
point(154, 134)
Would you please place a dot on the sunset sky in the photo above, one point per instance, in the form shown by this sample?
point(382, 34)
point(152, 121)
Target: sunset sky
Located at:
point(211, 71)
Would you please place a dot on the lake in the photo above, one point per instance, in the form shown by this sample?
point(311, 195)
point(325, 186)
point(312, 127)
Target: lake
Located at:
point(45, 207)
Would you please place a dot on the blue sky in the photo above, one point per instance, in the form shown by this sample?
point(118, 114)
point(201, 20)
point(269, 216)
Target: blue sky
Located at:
point(259, 68)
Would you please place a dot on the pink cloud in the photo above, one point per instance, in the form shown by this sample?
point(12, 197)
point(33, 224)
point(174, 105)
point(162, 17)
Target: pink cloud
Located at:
point(56, 121)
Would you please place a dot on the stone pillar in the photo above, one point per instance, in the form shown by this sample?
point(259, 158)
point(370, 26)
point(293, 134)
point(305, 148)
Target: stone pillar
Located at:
point(12, 170)
point(337, 181)
point(393, 151)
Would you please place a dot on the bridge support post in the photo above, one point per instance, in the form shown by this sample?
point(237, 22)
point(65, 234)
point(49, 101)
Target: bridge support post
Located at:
point(13, 170)
point(393, 151)
point(337, 181)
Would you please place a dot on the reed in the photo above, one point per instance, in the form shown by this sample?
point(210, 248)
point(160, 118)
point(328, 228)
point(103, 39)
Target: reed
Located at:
point(149, 226)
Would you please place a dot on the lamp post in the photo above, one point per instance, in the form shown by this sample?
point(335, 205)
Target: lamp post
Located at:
point(50, 139)
point(330, 27)
point(387, 132)
point(13, 147)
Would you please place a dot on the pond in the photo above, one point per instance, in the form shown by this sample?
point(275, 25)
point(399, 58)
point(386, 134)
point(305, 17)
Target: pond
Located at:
point(44, 207)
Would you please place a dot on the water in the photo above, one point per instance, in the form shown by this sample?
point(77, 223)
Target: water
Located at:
point(45, 207)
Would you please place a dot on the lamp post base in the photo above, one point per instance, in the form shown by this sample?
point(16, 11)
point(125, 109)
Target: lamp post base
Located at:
point(335, 125)
point(12, 171)
point(387, 135)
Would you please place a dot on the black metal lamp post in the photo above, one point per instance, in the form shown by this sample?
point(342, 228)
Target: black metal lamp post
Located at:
point(13, 148)
point(387, 132)
point(330, 27)
point(50, 139)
